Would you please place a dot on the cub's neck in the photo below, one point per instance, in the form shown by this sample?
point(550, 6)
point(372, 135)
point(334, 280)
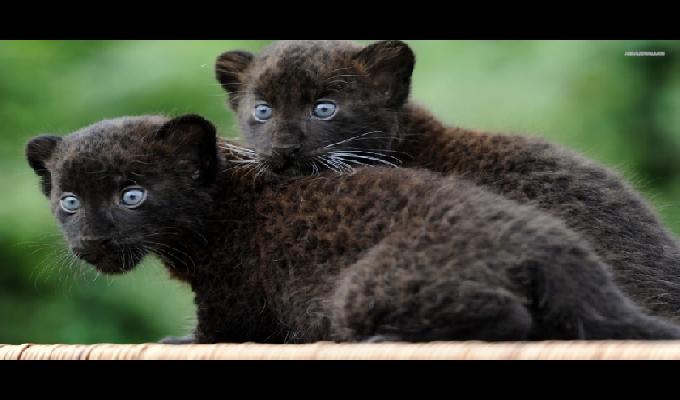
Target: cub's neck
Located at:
point(225, 226)
point(425, 141)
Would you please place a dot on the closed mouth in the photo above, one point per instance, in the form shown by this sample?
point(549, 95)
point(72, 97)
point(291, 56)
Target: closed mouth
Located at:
point(288, 169)
point(111, 263)
point(277, 164)
point(284, 166)
point(90, 258)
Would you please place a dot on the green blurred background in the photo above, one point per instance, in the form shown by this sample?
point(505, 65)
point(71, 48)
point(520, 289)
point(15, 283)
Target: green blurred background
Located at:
point(622, 111)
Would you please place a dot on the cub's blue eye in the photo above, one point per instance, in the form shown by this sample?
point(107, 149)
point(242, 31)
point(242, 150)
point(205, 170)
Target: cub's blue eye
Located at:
point(324, 109)
point(132, 197)
point(262, 112)
point(69, 203)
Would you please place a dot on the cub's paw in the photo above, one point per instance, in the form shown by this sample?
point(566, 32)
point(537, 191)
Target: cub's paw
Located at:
point(382, 339)
point(189, 339)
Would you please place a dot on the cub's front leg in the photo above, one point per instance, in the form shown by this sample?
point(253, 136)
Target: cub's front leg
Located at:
point(232, 317)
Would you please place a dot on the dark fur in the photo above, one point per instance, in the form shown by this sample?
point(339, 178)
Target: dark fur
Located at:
point(592, 200)
point(382, 254)
point(292, 77)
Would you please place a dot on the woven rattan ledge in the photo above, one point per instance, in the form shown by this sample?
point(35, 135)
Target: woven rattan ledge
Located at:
point(550, 350)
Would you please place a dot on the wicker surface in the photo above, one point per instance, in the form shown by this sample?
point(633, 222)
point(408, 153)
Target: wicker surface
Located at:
point(331, 351)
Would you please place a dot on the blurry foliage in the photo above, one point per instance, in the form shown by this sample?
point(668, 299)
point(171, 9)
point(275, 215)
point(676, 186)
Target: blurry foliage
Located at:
point(621, 111)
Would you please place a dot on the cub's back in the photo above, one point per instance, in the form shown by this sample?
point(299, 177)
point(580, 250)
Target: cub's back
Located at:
point(335, 215)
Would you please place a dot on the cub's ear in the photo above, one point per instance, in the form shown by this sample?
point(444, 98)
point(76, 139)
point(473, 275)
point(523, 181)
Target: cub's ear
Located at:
point(193, 139)
point(229, 70)
point(389, 64)
point(38, 151)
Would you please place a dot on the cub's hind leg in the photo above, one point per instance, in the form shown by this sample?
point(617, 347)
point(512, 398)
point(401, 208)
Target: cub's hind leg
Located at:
point(575, 297)
point(395, 294)
point(501, 278)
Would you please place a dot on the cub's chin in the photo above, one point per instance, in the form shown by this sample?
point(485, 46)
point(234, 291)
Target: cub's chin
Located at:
point(116, 264)
point(290, 170)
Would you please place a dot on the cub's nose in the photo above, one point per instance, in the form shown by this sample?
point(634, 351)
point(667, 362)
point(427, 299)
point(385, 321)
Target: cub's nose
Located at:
point(93, 249)
point(286, 151)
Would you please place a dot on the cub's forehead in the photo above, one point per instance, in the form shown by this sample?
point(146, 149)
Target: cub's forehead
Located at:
point(308, 50)
point(118, 127)
point(300, 66)
point(108, 145)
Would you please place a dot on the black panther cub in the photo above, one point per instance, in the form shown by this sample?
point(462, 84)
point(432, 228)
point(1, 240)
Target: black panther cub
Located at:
point(311, 105)
point(382, 254)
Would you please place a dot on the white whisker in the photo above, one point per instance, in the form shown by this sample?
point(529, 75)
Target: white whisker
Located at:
point(352, 138)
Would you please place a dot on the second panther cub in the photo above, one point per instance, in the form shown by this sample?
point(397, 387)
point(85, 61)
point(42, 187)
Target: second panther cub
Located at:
point(310, 105)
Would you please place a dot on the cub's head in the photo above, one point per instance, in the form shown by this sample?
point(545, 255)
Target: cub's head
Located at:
point(310, 105)
point(124, 187)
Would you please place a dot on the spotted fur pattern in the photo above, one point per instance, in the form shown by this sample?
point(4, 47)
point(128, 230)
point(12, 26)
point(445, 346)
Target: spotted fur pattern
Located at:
point(381, 254)
point(375, 125)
